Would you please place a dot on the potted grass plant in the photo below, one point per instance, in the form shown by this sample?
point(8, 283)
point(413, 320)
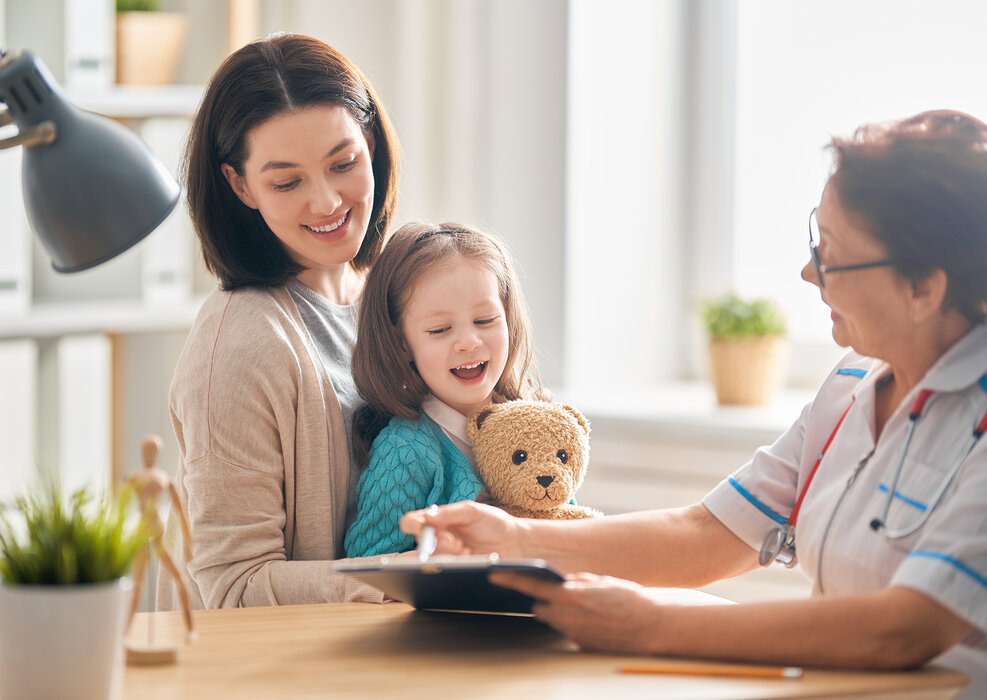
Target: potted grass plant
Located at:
point(149, 42)
point(64, 594)
point(748, 350)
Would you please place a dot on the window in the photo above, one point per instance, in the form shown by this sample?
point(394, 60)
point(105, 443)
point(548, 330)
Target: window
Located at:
point(809, 70)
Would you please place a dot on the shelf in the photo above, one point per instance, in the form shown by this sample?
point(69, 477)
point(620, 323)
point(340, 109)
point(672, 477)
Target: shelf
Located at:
point(688, 412)
point(138, 101)
point(54, 320)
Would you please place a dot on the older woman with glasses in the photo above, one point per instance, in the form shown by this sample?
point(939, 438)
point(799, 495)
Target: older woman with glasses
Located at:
point(879, 489)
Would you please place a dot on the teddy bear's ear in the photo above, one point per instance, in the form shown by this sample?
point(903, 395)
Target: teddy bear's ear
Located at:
point(580, 418)
point(482, 416)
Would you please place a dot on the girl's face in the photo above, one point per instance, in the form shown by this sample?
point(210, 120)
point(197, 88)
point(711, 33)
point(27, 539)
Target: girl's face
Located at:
point(309, 175)
point(870, 310)
point(455, 331)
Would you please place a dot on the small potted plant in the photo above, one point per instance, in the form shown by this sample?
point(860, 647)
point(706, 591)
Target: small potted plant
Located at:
point(747, 348)
point(149, 42)
point(64, 594)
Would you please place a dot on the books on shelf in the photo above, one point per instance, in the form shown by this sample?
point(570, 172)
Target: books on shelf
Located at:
point(15, 242)
point(167, 254)
point(18, 413)
point(75, 409)
point(90, 43)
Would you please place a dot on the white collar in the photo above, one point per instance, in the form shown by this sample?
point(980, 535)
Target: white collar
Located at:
point(447, 418)
point(962, 365)
point(957, 369)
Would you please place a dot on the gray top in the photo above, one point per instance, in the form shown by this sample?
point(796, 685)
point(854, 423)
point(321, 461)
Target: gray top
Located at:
point(333, 330)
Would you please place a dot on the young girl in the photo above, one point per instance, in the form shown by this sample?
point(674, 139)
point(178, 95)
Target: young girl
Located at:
point(443, 331)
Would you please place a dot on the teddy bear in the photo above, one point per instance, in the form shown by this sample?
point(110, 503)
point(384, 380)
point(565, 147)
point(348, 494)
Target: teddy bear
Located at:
point(532, 456)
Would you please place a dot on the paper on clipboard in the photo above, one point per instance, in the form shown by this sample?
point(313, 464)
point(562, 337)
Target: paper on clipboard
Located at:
point(451, 583)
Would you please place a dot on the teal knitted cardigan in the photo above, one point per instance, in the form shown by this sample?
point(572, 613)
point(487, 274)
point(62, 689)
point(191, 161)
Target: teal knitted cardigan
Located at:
point(413, 464)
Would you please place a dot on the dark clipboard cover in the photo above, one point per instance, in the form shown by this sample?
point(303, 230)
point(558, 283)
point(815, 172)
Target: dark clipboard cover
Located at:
point(451, 583)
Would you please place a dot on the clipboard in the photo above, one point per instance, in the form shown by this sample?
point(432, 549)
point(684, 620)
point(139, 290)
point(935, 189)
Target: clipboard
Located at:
point(451, 583)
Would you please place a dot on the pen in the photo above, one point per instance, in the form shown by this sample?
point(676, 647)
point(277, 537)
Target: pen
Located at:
point(737, 670)
point(426, 543)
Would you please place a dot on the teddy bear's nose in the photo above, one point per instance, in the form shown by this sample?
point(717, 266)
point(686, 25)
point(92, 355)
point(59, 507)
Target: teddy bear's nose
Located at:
point(544, 481)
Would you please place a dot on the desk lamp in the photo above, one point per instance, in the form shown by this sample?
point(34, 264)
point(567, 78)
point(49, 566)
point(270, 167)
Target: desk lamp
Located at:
point(92, 189)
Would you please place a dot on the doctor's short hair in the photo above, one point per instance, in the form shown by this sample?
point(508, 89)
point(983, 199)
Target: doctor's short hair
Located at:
point(920, 187)
point(383, 374)
point(267, 78)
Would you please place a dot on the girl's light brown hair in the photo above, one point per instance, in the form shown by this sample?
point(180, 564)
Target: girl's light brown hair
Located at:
point(384, 377)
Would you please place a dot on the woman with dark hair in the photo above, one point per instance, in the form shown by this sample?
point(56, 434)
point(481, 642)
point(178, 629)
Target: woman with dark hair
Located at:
point(881, 484)
point(291, 170)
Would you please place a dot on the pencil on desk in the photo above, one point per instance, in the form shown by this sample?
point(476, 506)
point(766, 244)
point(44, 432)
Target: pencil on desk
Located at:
point(736, 670)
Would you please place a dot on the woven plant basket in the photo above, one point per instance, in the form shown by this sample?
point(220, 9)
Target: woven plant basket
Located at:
point(149, 47)
point(747, 371)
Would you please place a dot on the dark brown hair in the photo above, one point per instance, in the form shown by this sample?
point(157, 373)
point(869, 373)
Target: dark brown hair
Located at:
point(385, 379)
point(920, 186)
point(264, 79)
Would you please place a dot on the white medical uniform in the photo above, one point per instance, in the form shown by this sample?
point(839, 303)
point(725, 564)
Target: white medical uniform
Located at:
point(837, 549)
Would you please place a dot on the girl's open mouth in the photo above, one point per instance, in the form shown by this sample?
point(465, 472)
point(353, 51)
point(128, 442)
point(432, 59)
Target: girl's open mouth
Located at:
point(469, 372)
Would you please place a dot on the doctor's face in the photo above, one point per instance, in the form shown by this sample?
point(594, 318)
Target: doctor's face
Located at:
point(869, 310)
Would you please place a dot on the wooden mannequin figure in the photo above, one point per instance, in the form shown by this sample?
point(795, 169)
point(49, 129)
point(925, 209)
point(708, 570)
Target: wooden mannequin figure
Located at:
point(149, 485)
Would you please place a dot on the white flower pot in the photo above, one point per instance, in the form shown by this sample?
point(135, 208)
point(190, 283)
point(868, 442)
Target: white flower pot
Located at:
point(62, 641)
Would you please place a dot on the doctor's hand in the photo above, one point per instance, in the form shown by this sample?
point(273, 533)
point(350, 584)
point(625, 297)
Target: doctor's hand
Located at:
point(468, 528)
point(599, 613)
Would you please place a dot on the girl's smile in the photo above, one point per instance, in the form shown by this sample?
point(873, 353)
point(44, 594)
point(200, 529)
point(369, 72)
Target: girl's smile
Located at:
point(469, 373)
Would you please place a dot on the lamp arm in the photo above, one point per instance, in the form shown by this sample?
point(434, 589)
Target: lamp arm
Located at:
point(37, 135)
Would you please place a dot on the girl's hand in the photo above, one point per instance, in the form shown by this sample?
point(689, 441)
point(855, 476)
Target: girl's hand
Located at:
point(599, 613)
point(468, 528)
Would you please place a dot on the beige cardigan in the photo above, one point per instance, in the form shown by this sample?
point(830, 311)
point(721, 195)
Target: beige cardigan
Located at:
point(264, 469)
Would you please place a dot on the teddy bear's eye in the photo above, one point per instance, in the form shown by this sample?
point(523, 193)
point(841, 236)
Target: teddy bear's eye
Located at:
point(563, 456)
point(519, 456)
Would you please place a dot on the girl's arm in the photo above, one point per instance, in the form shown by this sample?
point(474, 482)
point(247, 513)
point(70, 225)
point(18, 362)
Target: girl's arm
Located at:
point(894, 629)
point(683, 547)
point(402, 475)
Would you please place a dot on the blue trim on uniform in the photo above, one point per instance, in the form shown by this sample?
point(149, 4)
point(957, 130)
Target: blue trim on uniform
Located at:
point(756, 503)
point(975, 575)
point(983, 382)
point(910, 501)
point(853, 372)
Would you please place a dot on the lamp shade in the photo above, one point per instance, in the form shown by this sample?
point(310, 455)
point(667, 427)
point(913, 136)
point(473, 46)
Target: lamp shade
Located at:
point(96, 189)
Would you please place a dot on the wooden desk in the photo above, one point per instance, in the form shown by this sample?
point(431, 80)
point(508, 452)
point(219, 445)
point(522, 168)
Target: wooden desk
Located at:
point(360, 650)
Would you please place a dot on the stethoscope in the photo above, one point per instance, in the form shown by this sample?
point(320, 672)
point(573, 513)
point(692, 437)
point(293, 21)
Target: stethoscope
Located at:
point(779, 543)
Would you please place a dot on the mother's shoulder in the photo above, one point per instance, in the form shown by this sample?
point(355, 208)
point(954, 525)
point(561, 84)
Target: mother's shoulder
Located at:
point(248, 307)
point(252, 321)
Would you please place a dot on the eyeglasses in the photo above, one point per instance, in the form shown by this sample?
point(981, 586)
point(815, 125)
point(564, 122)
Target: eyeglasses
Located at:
point(822, 269)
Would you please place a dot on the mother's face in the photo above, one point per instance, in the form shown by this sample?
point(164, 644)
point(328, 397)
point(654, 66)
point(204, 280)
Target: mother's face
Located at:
point(871, 308)
point(309, 174)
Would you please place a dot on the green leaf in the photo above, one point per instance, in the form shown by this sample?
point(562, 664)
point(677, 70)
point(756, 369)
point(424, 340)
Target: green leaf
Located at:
point(733, 317)
point(48, 539)
point(138, 5)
